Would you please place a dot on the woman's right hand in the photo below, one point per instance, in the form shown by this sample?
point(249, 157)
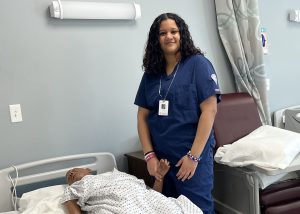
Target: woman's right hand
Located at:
point(152, 166)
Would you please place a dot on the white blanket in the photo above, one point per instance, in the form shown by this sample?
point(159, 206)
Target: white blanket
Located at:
point(266, 147)
point(45, 200)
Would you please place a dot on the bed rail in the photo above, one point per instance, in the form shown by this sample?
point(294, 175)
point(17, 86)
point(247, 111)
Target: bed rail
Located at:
point(49, 169)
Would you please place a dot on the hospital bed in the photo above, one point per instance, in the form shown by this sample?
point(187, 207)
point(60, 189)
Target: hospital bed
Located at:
point(237, 189)
point(48, 172)
point(279, 116)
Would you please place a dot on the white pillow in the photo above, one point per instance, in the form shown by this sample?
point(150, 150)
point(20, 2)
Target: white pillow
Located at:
point(267, 147)
point(45, 200)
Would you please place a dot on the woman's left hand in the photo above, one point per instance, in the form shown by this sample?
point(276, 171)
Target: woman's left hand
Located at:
point(187, 168)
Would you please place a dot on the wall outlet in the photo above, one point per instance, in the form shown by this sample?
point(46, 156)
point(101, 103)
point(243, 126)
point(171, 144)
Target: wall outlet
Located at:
point(15, 113)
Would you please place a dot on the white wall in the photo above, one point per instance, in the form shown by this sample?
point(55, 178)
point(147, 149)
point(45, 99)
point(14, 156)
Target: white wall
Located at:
point(282, 62)
point(76, 80)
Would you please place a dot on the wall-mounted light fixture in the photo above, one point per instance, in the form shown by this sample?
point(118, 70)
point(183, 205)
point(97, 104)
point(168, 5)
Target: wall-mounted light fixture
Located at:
point(94, 10)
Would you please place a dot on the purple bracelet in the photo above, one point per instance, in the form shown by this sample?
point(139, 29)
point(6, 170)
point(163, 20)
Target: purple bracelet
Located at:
point(193, 158)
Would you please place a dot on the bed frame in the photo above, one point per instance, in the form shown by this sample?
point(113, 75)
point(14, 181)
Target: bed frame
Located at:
point(237, 189)
point(279, 116)
point(49, 172)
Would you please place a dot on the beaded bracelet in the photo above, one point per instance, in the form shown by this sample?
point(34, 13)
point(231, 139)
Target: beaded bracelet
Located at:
point(193, 158)
point(149, 156)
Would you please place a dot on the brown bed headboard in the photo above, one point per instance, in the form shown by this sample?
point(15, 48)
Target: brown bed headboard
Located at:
point(237, 116)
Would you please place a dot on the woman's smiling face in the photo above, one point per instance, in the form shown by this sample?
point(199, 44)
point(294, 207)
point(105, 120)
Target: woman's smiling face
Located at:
point(169, 37)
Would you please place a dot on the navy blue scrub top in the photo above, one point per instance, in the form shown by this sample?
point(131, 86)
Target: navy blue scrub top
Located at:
point(172, 136)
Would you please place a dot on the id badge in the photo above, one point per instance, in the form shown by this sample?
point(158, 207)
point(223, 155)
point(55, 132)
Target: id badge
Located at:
point(163, 108)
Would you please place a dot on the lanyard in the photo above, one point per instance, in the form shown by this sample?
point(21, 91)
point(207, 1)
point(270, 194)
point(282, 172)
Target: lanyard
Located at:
point(169, 85)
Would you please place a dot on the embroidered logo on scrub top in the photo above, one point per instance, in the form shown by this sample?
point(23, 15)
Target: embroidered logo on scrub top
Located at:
point(214, 77)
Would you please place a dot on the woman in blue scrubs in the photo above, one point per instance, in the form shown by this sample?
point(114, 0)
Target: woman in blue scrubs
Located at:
point(177, 100)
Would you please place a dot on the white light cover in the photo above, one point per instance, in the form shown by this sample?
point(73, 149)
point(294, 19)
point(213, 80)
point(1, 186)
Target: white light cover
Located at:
point(94, 10)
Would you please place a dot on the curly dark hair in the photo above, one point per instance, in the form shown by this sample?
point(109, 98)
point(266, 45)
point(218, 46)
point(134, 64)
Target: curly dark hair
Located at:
point(154, 60)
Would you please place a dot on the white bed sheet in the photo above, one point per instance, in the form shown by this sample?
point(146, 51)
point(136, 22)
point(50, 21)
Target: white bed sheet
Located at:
point(43, 200)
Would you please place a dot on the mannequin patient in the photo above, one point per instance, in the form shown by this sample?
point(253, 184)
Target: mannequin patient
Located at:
point(118, 192)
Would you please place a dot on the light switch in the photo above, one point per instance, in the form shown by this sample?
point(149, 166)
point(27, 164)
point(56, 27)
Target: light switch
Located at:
point(15, 113)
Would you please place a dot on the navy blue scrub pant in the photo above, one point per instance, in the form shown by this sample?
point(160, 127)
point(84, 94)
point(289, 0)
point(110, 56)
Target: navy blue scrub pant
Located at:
point(199, 188)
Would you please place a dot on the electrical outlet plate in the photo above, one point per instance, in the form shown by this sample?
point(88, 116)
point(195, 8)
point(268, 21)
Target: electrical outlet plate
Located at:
point(15, 113)
point(294, 15)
